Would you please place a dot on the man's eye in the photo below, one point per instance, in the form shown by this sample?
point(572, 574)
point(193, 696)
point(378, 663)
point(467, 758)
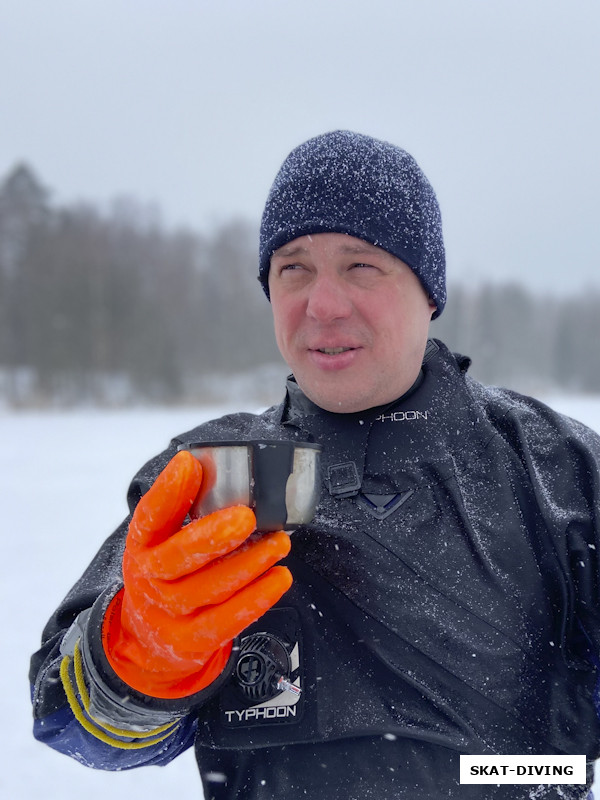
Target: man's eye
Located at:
point(290, 267)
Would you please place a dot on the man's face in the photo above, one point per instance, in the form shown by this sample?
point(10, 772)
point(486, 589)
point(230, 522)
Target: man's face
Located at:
point(351, 320)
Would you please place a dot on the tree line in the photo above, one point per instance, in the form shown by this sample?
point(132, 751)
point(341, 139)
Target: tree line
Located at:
point(106, 306)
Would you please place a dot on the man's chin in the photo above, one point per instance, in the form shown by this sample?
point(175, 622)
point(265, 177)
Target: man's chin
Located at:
point(339, 399)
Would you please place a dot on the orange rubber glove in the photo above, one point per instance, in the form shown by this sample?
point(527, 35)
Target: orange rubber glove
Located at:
point(188, 591)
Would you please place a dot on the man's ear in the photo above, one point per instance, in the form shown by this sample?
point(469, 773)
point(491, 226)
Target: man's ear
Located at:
point(432, 305)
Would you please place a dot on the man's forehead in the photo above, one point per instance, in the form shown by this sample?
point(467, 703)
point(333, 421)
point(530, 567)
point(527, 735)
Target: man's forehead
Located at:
point(345, 244)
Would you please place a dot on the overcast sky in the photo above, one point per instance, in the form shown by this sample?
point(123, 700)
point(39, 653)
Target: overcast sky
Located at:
point(193, 104)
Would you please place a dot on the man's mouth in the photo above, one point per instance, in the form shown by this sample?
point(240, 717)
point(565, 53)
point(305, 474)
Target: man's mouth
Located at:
point(333, 351)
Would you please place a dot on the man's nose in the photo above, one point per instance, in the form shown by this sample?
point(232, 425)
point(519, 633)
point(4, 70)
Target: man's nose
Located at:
point(328, 299)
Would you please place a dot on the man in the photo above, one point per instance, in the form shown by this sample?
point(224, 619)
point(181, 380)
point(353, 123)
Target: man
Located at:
point(443, 601)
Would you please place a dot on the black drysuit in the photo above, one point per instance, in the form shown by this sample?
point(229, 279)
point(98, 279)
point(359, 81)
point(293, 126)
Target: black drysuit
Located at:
point(445, 602)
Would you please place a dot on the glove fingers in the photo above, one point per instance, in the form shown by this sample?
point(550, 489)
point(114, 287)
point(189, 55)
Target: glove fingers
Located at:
point(217, 625)
point(195, 545)
point(218, 581)
point(223, 578)
point(162, 510)
point(212, 627)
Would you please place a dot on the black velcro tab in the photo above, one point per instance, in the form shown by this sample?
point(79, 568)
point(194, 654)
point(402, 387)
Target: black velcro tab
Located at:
point(343, 480)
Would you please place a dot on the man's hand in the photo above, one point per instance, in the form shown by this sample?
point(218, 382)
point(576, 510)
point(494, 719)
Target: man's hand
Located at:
point(188, 591)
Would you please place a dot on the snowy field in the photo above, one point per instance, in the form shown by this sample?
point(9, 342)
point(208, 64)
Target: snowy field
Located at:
point(62, 490)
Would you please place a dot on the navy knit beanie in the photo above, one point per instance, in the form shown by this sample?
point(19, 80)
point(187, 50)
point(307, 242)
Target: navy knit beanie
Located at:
point(344, 182)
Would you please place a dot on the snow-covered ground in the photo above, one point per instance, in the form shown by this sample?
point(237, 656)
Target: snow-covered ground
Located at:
point(62, 490)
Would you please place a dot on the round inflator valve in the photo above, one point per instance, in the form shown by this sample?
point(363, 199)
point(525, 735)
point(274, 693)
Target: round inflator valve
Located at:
point(262, 662)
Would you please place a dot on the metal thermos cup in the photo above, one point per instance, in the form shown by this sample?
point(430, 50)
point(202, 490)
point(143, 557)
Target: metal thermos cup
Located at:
point(278, 479)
